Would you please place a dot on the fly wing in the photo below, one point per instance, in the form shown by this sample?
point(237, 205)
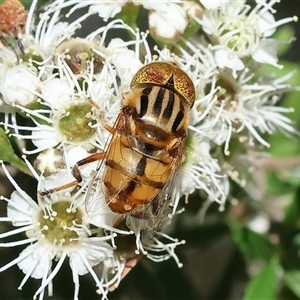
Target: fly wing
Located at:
point(115, 152)
point(153, 215)
point(158, 209)
point(95, 188)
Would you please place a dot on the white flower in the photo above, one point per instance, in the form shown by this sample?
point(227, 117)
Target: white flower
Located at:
point(167, 21)
point(77, 86)
point(57, 227)
point(19, 85)
point(68, 114)
point(200, 171)
point(237, 32)
point(259, 224)
point(229, 107)
point(71, 117)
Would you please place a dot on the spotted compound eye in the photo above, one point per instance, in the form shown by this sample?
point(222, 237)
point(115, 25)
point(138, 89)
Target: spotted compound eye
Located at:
point(169, 75)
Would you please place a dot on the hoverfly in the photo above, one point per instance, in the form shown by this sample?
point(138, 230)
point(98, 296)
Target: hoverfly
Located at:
point(147, 144)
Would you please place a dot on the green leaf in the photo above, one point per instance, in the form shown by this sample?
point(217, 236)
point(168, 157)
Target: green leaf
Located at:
point(284, 33)
point(281, 145)
point(191, 29)
point(292, 280)
point(292, 211)
point(129, 15)
point(292, 177)
point(252, 244)
point(7, 154)
point(277, 186)
point(264, 285)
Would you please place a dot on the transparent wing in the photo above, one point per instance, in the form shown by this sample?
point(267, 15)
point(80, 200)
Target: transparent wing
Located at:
point(150, 219)
point(114, 148)
point(95, 188)
point(158, 208)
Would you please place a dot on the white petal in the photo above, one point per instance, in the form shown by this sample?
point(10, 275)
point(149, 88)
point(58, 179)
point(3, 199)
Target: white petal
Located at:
point(94, 254)
point(76, 153)
point(77, 264)
point(107, 9)
point(45, 137)
point(259, 224)
point(56, 92)
point(35, 255)
point(59, 178)
point(20, 209)
point(119, 47)
point(208, 4)
point(52, 35)
point(98, 211)
point(228, 59)
point(18, 85)
point(265, 22)
point(267, 52)
point(168, 22)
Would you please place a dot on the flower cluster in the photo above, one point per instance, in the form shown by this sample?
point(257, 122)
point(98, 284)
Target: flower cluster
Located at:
point(61, 93)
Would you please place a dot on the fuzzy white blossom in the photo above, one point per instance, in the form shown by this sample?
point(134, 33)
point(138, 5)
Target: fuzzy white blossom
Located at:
point(236, 32)
point(56, 228)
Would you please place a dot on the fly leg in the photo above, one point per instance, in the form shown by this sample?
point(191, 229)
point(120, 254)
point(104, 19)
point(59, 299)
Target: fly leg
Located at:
point(94, 157)
point(110, 129)
point(76, 173)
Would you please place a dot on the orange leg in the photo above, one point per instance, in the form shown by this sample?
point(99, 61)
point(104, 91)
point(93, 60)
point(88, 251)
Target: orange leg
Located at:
point(76, 173)
point(87, 160)
point(110, 129)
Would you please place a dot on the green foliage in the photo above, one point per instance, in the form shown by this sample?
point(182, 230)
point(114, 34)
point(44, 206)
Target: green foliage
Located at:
point(129, 15)
point(292, 212)
point(252, 244)
point(292, 280)
point(264, 284)
point(7, 154)
point(277, 185)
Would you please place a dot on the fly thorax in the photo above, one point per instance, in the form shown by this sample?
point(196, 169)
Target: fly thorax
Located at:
point(152, 135)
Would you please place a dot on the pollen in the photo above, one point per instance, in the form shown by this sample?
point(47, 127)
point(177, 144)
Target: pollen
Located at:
point(76, 124)
point(58, 224)
point(79, 121)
